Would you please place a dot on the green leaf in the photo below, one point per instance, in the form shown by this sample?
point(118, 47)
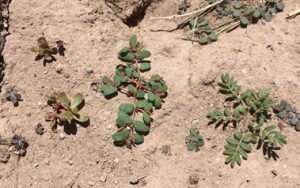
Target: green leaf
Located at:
point(280, 6)
point(146, 118)
point(81, 118)
point(237, 4)
point(128, 71)
point(268, 17)
point(126, 55)
point(236, 14)
point(131, 88)
point(35, 49)
point(108, 90)
point(121, 135)
point(213, 37)
point(157, 102)
point(256, 14)
point(141, 104)
point(124, 51)
point(145, 66)
point(107, 81)
point(238, 135)
point(53, 123)
point(151, 97)
point(248, 11)
point(229, 86)
point(63, 99)
point(203, 40)
point(117, 80)
point(136, 74)
point(138, 139)
point(126, 107)
point(68, 116)
point(190, 146)
point(148, 107)
point(143, 54)
point(232, 141)
point(140, 94)
point(133, 41)
point(123, 119)
point(141, 127)
point(244, 21)
point(77, 100)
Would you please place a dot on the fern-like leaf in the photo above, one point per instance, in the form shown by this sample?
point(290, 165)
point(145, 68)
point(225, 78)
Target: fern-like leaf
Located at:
point(237, 148)
point(229, 86)
point(274, 138)
point(221, 116)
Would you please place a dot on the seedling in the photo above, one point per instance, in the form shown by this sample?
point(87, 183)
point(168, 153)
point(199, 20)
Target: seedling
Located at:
point(12, 94)
point(194, 140)
point(44, 50)
point(285, 111)
point(134, 119)
point(65, 112)
point(248, 114)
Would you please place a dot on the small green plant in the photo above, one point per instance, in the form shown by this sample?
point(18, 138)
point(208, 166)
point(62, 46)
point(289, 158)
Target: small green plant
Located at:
point(226, 15)
point(286, 112)
point(134, 119)
point(65, 112)
point(194, 140)
point(248, 112)
point(44, 50)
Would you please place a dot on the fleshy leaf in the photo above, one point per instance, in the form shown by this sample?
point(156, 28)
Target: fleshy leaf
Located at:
point(108, 90)
point(133, 41)
point(126, 107)
point(141, 126)
point(81, 118)
point(63, 99)
point(147, 118)
point(121, 135)
point(123, 119)
point(143, 54)
point(138, 139)
point(77, 100)
point(145, 66)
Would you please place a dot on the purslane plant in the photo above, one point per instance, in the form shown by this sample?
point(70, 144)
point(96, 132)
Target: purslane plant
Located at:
point(248, 113)
point(134, 119)
point(65, 112)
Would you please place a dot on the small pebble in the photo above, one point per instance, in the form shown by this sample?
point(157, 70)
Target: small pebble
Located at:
point(103, 178)
point(59, 69)
point(89, 70)
point(61, 135)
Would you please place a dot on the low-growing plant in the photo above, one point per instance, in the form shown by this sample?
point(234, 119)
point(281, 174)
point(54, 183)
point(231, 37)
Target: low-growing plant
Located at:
point(134, 119)
point(12, 94)
point(194, 140)
point(44, 50)
point(227, 15)
point(248, 112)
point(65, 112)
point(286, 112)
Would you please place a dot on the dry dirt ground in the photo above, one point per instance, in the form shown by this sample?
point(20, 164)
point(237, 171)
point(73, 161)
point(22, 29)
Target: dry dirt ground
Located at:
point(265, 54)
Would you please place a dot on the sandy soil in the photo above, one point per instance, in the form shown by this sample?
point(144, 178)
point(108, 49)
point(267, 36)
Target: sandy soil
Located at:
point(265, 54)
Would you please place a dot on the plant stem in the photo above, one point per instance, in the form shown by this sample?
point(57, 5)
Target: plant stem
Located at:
point(187, 14)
